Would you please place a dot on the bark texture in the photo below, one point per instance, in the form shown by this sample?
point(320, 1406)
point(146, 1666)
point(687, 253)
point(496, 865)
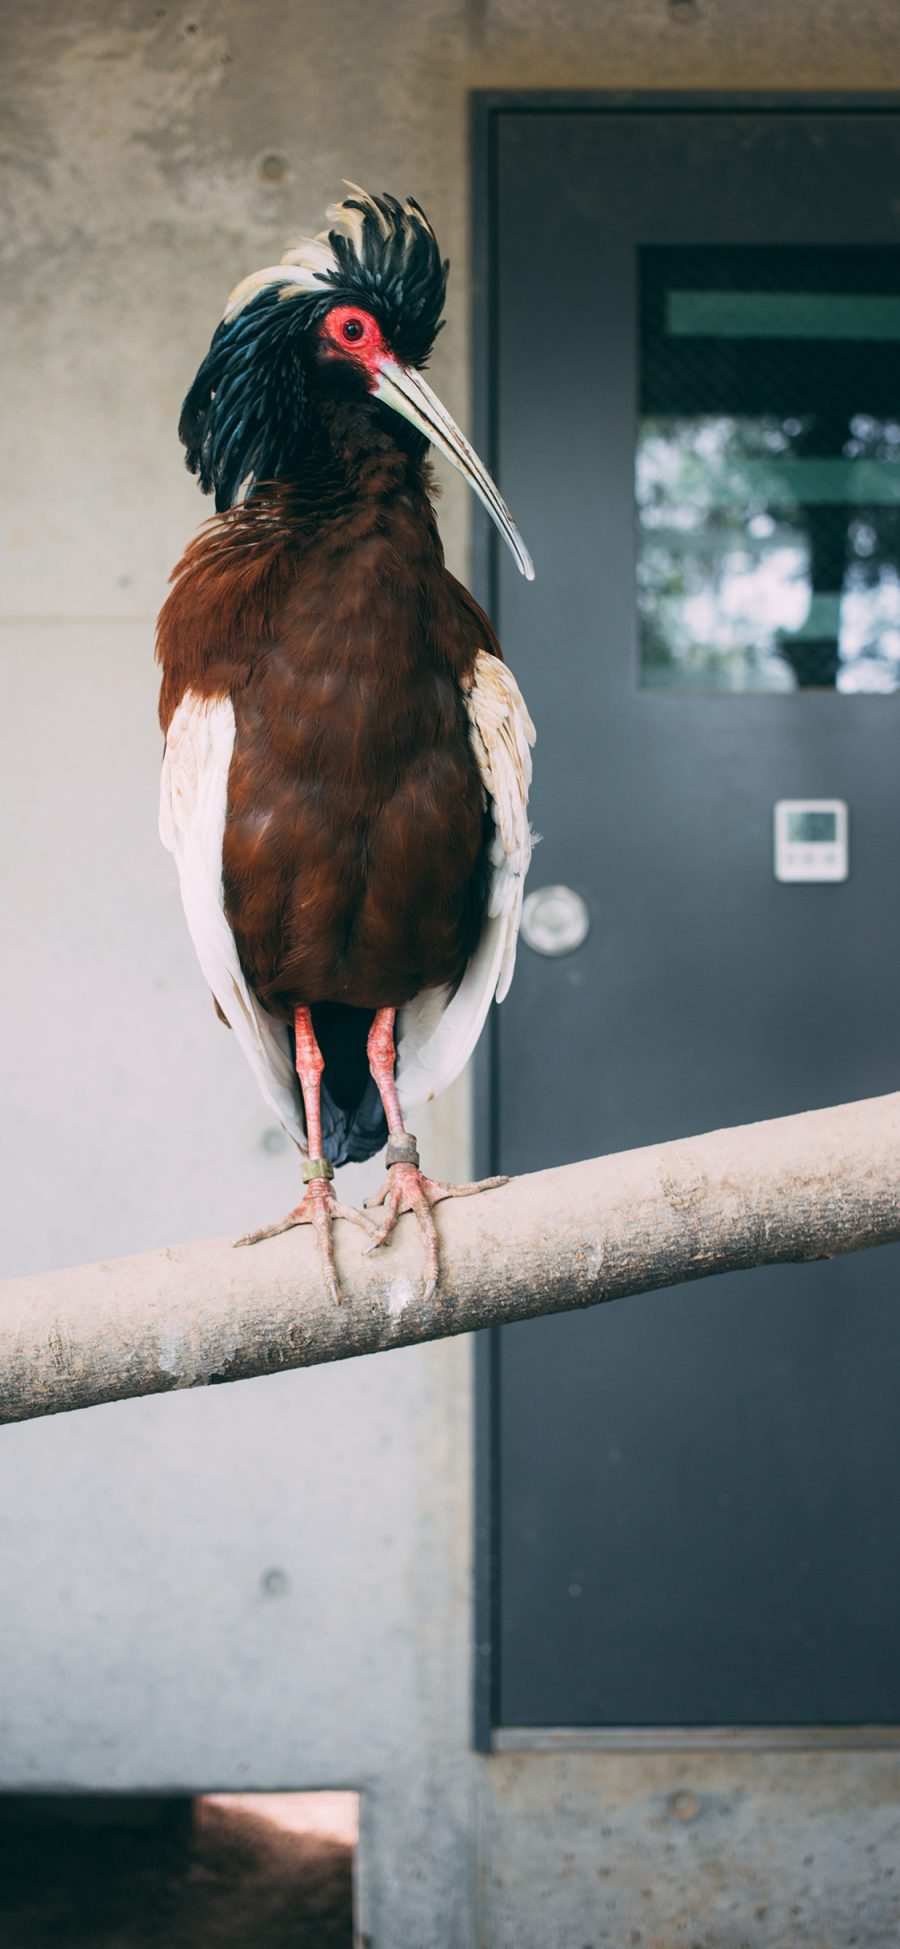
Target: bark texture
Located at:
point(800, 1188)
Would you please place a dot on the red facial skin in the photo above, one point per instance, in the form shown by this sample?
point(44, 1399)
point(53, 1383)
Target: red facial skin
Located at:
point(362, 342)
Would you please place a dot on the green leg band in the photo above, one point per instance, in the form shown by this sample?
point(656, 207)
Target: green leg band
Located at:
point(317, 1167)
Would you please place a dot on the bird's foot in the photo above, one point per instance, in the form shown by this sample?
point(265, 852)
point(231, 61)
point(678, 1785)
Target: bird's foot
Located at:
point(406, 1188)
point(319, 1208)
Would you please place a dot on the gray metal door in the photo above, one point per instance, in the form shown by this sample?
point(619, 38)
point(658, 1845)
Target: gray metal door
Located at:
point(691, 1500)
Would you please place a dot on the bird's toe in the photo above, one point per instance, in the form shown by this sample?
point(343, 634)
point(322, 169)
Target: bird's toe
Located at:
point(319, 1208)
point(287, 1224)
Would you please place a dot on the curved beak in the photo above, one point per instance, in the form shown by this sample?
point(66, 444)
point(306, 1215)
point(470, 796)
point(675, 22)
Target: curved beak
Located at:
point(406, 391)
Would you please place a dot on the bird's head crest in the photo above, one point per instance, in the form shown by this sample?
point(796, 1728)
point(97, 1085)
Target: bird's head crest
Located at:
point(243, 417)
point(377, 252)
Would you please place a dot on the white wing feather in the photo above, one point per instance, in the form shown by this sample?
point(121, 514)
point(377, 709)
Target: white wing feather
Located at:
point(192, 804)
point(437, 1033)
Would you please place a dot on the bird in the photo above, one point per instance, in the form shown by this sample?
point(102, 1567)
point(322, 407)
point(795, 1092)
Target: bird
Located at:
point(347, 755)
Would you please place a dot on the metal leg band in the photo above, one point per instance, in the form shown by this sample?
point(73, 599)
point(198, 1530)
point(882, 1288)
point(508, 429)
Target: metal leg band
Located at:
point(317, 1167)
point(402, 1149)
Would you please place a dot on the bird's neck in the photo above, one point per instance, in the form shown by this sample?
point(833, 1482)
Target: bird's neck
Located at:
point(355, 452)
point(362, 491)
point(352, 528)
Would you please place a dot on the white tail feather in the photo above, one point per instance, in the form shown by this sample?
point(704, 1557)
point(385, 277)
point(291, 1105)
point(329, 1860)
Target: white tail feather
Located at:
point(193, 796)
point(437, 1035)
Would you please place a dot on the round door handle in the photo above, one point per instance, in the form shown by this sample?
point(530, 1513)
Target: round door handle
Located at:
point(555, 920)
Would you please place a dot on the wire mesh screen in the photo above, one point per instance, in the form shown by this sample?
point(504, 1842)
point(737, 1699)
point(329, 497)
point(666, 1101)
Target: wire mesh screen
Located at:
point(768, 468)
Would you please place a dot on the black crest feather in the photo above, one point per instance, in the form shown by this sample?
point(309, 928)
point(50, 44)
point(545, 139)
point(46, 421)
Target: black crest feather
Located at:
point(243, 419)
point(388, 260)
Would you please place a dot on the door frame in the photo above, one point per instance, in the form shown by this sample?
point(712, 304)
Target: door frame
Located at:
point(486, 107)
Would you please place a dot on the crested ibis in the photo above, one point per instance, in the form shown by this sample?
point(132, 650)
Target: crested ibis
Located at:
point(347, 755)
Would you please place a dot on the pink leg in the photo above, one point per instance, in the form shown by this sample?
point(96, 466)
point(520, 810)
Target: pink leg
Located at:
point(406, 1188)
point(382, 1056)
point(319, 1207)
point(310, 1064)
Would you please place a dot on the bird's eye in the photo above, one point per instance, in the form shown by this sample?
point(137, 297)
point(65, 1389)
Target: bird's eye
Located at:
point(348, 330)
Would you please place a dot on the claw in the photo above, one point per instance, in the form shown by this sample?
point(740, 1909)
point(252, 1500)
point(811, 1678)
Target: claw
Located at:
point(406, 1188)
point(319, 1208)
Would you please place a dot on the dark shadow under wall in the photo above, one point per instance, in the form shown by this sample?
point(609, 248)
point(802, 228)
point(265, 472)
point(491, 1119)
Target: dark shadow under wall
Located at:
point(96, 1873)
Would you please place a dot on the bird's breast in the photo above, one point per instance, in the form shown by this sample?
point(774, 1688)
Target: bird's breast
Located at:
point(355, 844)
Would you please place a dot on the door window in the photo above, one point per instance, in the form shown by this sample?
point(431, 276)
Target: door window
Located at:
point(768, 469)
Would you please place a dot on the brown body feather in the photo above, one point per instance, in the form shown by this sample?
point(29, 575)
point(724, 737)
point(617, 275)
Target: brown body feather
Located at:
point(356, 837)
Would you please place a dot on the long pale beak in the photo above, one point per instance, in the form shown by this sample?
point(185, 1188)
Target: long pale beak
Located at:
point(407, 392)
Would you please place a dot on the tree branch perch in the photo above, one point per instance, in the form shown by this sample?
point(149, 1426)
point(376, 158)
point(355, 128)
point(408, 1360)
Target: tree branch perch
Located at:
point(803, 1187)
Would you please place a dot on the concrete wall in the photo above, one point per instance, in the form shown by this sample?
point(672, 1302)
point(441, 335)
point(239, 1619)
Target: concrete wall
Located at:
point(269, 1586)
